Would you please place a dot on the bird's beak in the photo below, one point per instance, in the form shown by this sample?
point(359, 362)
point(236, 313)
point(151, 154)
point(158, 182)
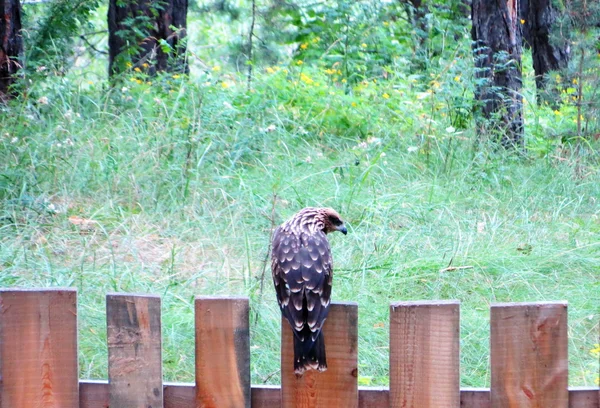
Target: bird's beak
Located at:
point(342, 229)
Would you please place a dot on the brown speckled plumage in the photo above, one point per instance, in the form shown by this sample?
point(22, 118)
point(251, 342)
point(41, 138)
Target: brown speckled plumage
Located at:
point(302, 270)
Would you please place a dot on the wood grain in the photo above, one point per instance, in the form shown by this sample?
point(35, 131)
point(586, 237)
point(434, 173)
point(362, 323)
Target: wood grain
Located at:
point(267, 396)
point(528, 347)
point(38, 348)
point(335, 388)
point(425, 354)
point(475, 398)
point(134, 350)
point(178, 395)
point(94, 394)
point(222, 353)
point(583, 397)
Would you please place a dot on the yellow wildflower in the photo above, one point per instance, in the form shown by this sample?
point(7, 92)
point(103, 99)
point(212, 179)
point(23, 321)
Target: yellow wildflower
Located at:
point(363, 45)
point(522, 21)
point(139, 81)
point(344, 81)
point(304, 46)
point(216, 68)
point(457, 78)
point(149, 83)
point(385, 23)
point(137, 69)
point(128, 64)
point(224, 85)
point(176, 76)
point(330, 71)
point(385, 96)
point(596, 350)
point(299, 62)
point(353, 104)
point(316, 40)
point(575, 81)
point(557, 112)
point(270, 70)
point(306, 79)
point(145, 65)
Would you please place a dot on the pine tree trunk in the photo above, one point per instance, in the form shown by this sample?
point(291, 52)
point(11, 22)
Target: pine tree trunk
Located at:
point(497, 42)
point(141, 35)
point(539, 17)
point(11, 46)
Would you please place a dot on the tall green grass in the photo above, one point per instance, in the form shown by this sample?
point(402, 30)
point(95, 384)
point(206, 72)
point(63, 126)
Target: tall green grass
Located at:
point(168, 186)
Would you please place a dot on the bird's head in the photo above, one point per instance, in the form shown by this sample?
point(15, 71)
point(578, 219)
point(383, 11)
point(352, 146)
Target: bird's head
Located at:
point(331, 221)
point(315, 219)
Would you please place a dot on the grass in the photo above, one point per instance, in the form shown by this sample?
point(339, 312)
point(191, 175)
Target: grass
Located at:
point(168, 188)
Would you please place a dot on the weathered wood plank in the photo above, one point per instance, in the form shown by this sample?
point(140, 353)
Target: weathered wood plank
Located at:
point(178, 395)
point(222, 352)
point(475, 398)
point(425, 354)
point(134, 350)
point(373, 397)
point(266, 396)
point(528, 347)
point(583, 397)
point(335, 388)
point(38, 348)
point(94, 394)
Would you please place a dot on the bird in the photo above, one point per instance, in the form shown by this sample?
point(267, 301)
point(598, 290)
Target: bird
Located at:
point(302, 268)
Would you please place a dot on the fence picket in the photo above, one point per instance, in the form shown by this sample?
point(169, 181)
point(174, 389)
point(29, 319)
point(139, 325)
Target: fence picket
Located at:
point(424, 354)
point(134, 350)
point(38, 348)
point(222, 352)
point(335, 388)
point(528, 347)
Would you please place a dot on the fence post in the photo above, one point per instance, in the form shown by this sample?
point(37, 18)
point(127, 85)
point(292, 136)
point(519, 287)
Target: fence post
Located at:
point(134, 350)
point(424, 354)
point(528, 347)
point(338, 386)
point(222, 352)
point(38, 348)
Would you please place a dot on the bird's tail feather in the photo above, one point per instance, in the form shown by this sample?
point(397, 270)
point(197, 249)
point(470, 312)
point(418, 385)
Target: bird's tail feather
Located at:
point(309, 355)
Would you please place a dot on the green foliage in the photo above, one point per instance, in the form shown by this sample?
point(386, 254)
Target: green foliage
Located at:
point(580, 82)
point(166, 185)
point(52, 30)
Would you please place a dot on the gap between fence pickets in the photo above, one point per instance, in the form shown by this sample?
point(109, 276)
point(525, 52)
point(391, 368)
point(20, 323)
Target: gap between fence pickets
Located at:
point(94, 394)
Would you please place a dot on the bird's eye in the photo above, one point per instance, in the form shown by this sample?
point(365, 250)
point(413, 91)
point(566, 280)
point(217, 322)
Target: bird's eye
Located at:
point(335, 221)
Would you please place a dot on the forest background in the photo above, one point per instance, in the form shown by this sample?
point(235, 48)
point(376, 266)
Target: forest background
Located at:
point(168, 175)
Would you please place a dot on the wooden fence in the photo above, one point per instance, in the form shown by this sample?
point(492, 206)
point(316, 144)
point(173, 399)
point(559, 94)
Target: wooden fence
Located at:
point(38, 358)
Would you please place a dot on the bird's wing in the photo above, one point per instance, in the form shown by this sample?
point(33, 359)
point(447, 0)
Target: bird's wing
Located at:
point(302, 273)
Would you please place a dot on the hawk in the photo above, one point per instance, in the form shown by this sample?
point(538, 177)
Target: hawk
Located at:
point(302, 270)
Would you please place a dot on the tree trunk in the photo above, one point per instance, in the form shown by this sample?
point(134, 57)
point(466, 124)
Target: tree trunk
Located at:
point(548, 56)
point(11, 46)
point(497, 42)
point(141, 35)
point(416, 11)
